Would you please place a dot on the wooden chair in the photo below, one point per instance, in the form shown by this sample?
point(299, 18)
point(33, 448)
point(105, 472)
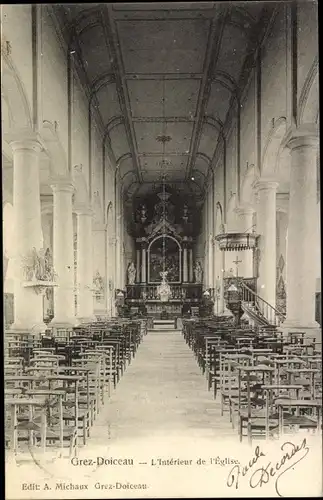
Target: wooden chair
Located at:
point(86, 402)
point(56, 430)
point(251, 402)
point(94, 388)
point(24, 431)
point(273, 392)
point(313, 422)
point(229, 381)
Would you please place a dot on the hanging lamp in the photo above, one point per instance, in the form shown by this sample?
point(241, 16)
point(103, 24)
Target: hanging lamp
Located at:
point(164, 290)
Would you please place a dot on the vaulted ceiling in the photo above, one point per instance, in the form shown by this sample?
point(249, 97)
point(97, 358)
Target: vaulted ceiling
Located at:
point(163, 77)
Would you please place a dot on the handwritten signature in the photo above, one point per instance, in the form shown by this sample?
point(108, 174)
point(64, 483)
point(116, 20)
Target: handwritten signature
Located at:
point(292, 455)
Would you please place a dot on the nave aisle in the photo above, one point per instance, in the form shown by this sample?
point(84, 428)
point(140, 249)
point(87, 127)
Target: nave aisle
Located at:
point(162, 393)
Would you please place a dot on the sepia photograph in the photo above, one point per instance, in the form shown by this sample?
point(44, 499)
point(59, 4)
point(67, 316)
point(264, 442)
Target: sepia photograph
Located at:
point(161, 250)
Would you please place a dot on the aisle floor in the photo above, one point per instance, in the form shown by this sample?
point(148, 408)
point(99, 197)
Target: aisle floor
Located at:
point(162, 391)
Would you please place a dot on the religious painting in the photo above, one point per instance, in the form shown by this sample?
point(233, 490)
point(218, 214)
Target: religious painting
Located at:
point(164, 255)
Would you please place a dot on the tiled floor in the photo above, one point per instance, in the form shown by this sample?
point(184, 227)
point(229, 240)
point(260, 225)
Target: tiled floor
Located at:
point(162, 392)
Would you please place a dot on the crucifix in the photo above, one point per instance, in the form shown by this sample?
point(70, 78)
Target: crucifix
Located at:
point(237, 262)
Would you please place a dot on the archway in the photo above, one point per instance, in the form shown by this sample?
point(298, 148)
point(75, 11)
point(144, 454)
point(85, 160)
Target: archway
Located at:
point(18, 108)
point(273, 149)
point(247, 193)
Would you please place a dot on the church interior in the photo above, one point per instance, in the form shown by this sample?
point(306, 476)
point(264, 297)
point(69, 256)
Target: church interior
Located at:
point(161, 221)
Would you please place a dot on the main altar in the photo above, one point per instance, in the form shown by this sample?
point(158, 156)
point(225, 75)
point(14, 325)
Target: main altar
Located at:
point(164, 239)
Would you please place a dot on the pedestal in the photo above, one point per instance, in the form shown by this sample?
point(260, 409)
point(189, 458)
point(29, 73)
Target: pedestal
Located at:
point(28, 305)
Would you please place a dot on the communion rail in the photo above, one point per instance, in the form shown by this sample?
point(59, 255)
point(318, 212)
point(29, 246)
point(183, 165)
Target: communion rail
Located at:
point(143, 292)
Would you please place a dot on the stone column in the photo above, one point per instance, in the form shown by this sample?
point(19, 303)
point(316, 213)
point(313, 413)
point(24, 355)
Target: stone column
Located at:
point(303, 233)
point(99, 238)
point(63, 253)
point(190, 265)
point(210, 262)
point(138, 265)
point(185, 264)
point(246, 219)
point(117, 253)
point(143, 263)
point(84, 270)
point(111, 277)
point(218, 281)
point(28, 304)
point(266, 225)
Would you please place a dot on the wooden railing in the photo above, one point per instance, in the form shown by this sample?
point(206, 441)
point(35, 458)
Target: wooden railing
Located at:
point(254, 304)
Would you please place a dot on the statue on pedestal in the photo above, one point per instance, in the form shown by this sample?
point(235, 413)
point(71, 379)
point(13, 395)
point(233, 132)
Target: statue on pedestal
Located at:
point(98, 285)
point(198, 272)
point(131, 273)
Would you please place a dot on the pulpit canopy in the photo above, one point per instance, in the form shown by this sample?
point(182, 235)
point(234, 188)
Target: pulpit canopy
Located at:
point(237, 241)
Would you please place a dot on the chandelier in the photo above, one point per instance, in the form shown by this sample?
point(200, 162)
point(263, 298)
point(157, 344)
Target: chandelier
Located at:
point(164, 290)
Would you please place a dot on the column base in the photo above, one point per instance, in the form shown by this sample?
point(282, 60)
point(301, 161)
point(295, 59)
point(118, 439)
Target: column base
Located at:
point(299, 325)
point(311, 329)
point(89, 319)
point(33, 329)
point(63, 322)
point(226, 312)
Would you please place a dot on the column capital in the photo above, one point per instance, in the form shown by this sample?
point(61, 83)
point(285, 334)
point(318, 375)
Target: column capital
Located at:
point(83, 209)
point(245, 210)
point(143, 242)
point(59, 184)
point(25, 140)
point(98, 226)
point(266, 184)
point(302, 137)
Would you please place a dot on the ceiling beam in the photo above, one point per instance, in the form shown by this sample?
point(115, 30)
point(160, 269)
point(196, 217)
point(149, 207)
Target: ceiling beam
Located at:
point(162, 119)
point(163, 14)
point(174, 153)
point(211, 57)
point(163, 76)
point(113, 45)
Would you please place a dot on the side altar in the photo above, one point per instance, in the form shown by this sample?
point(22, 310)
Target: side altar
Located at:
point(163, 230)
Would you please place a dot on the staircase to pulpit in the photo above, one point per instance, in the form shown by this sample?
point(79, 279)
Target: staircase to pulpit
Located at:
point(255, 309)
point(259, 311)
